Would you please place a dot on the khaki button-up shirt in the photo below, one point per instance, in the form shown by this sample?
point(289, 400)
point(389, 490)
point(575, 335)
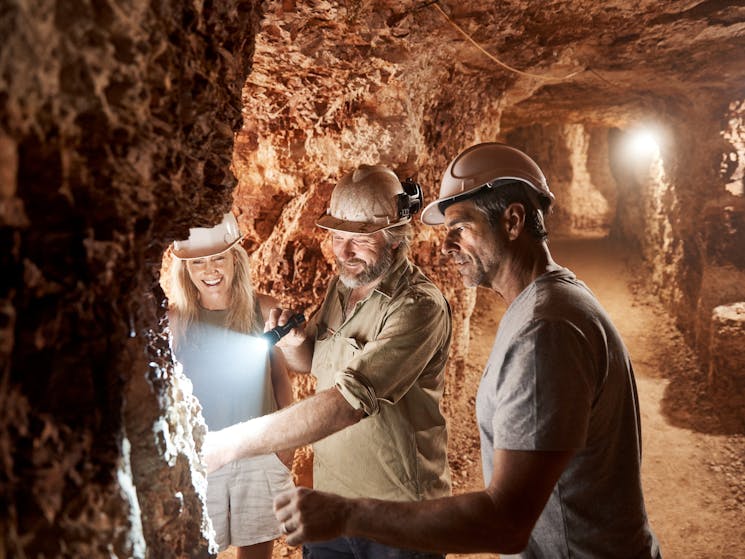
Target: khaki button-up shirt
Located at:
point(388, 359)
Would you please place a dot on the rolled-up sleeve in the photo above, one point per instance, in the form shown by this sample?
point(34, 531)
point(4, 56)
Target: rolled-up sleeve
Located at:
point(356, 391)
point(412, 343)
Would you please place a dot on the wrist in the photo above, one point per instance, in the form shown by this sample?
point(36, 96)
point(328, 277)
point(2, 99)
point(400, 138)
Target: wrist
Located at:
point(352, 517)
point(292, 342)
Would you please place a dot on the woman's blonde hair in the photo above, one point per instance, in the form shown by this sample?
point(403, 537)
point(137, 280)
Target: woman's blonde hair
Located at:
point(243, 315)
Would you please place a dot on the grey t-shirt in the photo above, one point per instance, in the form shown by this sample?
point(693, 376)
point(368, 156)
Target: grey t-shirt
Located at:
point(559, 378)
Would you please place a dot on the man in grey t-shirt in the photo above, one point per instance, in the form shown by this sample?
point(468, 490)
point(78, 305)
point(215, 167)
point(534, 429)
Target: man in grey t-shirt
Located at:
point(559, 379)
point(557, 406)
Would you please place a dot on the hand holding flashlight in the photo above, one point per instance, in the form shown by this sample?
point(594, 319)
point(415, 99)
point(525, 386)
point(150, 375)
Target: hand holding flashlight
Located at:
point(284, 324)
point(278, 332)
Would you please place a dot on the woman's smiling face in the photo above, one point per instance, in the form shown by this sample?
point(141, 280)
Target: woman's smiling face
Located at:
point(212, 275)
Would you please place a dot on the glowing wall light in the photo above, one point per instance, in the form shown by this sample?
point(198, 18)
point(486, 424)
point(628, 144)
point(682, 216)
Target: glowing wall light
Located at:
point(643, 144)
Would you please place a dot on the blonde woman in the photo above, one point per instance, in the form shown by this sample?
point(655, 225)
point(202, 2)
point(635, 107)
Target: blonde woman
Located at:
point(216, 320)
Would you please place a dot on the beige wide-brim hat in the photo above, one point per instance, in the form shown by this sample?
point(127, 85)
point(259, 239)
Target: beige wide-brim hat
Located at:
point(209, 241)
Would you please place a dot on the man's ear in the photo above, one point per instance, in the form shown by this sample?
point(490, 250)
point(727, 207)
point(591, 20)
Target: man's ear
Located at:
point(514, 219)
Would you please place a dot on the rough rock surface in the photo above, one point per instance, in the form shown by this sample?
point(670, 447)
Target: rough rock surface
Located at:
point(117, 133)
point(334, 85)
point(726, 355)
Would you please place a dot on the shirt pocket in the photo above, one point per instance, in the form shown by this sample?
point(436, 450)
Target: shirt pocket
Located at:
point(333, 353)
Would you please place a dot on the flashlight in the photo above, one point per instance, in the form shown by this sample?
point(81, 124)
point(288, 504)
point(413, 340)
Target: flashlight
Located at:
point(279, 332)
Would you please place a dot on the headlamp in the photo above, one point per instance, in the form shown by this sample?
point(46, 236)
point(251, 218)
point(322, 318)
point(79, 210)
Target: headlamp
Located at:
point(410, 200)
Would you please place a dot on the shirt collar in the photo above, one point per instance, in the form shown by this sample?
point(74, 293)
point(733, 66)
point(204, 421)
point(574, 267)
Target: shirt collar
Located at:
point(390, 281)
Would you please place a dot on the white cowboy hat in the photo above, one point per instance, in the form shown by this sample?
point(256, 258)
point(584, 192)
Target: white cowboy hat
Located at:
point(209, 241)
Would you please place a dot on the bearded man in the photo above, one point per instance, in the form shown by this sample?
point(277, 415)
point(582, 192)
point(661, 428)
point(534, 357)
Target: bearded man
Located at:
point(557, 406)
point(378, 347)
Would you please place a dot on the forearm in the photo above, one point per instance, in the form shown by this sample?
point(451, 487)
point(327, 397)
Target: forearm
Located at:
point(302, 423)
point(498, 519)
point(466, 523)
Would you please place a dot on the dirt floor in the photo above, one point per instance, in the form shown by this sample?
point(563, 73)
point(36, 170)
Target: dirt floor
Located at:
point(694, 440)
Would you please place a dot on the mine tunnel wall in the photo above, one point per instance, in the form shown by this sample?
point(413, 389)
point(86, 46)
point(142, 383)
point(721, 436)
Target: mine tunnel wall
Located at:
point(119, 136)
point(116, 136)
point(682, 210)
point(685, 212)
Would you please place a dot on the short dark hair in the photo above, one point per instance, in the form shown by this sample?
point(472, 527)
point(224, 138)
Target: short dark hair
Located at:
point(494, 201)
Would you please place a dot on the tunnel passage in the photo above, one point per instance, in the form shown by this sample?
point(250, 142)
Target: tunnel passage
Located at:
point(123, 127)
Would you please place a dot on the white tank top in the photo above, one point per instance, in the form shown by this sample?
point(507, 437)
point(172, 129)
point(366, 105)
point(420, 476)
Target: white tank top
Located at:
point(229, 371)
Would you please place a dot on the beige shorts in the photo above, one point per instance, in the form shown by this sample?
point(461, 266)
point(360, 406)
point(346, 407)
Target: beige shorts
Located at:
point(240, 496)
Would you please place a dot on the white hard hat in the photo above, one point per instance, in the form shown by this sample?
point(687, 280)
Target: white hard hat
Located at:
point(369, 199)
point(490, 164)
point(209, 241)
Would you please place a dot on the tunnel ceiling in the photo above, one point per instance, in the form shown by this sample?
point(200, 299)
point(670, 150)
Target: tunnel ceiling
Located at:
point(334, 84)
point(587, 60)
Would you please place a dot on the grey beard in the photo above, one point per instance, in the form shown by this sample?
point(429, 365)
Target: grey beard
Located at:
point(369, 273)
